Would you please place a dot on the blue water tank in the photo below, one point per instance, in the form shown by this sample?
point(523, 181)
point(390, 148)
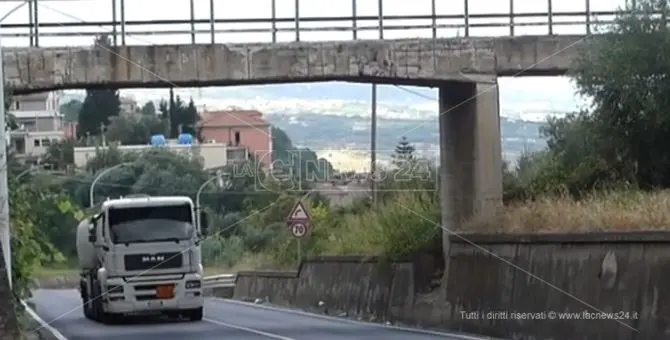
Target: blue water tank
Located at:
point(158, 140)
point(185, 139)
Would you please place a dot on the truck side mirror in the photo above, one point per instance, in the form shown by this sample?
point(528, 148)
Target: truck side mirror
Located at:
point(204, 222)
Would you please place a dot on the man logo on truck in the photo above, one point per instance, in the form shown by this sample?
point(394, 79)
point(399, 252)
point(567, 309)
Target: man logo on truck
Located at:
point(153, 259)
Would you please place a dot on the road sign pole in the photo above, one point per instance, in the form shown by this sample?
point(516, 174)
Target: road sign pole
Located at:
point(299, 224)
point(299, 251)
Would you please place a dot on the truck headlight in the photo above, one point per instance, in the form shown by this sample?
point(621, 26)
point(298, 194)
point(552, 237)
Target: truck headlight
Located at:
point(193, 284)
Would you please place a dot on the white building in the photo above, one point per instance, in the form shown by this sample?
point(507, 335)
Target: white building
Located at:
point(40, 124)
point(213, 155)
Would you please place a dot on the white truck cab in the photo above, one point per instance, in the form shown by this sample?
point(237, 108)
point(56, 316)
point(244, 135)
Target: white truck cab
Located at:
point(141, 255)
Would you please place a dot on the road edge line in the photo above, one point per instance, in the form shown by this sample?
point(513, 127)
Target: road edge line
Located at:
point(373, 324)
point(247, 329)
point(58, 335)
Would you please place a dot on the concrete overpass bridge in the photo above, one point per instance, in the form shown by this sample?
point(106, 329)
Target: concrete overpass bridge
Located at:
point(461, 54)
point(458, 53)
point(437, 46)
point(426, 62)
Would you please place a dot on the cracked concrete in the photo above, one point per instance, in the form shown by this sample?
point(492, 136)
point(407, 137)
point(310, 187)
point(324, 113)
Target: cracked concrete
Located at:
point(411, 61)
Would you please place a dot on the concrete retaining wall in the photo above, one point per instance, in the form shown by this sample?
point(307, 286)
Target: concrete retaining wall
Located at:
point(625, 274)
point(9, 328)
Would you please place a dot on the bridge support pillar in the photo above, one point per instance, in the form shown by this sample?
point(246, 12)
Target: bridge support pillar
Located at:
point(470, 153)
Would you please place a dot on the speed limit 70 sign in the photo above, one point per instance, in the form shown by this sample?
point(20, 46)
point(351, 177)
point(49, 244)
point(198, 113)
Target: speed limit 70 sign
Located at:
point(299, 230)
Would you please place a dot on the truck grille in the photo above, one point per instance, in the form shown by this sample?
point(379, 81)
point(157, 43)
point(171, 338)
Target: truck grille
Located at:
point(153, 261)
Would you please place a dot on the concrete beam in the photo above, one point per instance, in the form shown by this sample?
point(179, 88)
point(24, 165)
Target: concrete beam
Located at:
point(410, 61)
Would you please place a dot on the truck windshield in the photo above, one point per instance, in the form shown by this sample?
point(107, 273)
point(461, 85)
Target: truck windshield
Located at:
point(151, 224)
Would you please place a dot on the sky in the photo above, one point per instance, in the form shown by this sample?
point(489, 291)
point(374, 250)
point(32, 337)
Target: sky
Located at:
point(65, 11)
point(538, 93)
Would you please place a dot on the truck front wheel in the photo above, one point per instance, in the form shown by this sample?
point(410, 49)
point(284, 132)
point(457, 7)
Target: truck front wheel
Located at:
point(193, 314)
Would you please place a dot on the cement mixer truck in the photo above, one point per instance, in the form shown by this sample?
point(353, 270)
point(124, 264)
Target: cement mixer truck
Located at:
point(141, 255)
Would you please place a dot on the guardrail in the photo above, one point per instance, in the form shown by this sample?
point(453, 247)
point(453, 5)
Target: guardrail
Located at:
point(197, 29)
point(219, 281)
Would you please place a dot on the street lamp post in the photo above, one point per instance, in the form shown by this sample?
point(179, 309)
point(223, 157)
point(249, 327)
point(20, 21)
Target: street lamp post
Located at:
point(27, 172)
point(24, 172)
point(97, 178)
point(221, 183)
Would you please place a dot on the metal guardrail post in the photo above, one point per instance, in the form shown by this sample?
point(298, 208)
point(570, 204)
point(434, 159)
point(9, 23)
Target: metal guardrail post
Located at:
point(36, 30)
point(380, 5)
point(550, 17)
point(588, 16)
point(114, 33)
point(31, 22)
point(123, 22)
point(297, 20)
point(354, 21)
point(466, 10)
point(433, 14)
point(511, 18)
point(212, 31)
point(274, 20)
point(192, 12)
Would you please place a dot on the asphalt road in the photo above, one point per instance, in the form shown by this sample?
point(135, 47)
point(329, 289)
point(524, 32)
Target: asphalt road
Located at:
point(223, 320)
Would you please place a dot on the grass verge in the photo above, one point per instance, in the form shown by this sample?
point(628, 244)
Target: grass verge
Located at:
point(409, 222)
point(598, 212)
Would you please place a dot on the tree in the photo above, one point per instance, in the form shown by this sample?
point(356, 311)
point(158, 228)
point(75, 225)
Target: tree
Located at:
point(149, 109)
point(10, 120)
point(99, 105)
point(404, 152)
point(626, 73)
point(132, 130)
point(302, 162)
point(180, 116)
point(31, 248)
point(61, 154)
point(156, 171)
point(187, 119)
point(71, 110)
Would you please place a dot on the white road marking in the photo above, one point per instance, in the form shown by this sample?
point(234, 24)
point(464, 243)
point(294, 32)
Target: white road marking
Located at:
point(250, 330)
point(43, 324)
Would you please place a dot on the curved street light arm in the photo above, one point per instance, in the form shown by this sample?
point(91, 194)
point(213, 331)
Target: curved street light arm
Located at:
point(197, 195)
point(98, 177)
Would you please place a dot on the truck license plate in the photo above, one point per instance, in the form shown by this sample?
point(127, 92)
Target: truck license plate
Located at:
point(165, 292)
point(154, 304)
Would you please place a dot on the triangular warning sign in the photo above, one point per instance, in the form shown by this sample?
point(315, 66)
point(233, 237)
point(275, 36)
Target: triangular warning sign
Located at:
point(299, 213)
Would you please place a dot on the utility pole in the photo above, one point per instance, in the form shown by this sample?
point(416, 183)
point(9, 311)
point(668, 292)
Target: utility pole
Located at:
point(373, 145)
point(170, 112)
point(373, 120)
point(102, 134)
point(4, 192)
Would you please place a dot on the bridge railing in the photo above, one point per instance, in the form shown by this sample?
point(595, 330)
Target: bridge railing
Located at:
point(275, 28)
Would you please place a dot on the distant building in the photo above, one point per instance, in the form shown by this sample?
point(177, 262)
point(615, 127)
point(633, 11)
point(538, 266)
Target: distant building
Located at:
point(214, 155)
point(40, 125)
point(128, 106)
point(70, 129)
point(239, 128)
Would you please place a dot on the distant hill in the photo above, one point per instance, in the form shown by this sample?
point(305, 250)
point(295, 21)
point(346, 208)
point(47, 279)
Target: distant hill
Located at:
point(326, 116)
